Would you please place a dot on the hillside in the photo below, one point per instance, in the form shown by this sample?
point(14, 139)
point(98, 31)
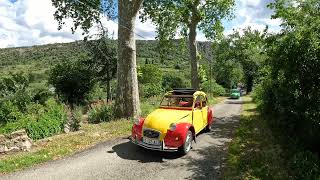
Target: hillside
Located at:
point(37, 59)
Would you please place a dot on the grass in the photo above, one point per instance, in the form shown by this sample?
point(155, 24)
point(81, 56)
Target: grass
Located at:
point(212, 100)
point(253, 153)
point(63, 145)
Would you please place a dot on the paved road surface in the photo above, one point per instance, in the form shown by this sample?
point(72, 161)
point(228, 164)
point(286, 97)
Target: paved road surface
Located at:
point(119, 159)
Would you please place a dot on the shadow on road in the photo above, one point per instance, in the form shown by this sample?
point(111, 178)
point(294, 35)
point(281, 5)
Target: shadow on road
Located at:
point(131, 151)
point(211, 159)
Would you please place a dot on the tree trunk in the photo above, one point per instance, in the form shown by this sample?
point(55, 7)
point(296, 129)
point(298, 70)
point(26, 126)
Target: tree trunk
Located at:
point(195, 81)
point(127, 99)
point(108, 91)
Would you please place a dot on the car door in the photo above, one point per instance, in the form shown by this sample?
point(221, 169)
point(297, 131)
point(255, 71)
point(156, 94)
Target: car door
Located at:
point(204, 111)
point(197, 115)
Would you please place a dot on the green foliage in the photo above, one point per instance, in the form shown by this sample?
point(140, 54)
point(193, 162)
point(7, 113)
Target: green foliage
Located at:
point(289, 88)
point(14, 89)
point(306, 165)
point(149, 77)
point(151, 89)
point(101, 114)
point(9, 112)
point(45, 121)
point(213, 88)
point(149, 73)
point(97, 92)
point(238, 58)
point(40, 93)
point(72, 80)
point(170, 16)
point(171, 81)
point(103, 60)
point(40, 121)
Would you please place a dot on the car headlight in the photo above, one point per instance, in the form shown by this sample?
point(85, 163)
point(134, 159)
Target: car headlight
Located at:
point(172, 127)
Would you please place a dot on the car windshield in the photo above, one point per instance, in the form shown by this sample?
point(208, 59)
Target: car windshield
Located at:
point(177, 101)
point(235, 91)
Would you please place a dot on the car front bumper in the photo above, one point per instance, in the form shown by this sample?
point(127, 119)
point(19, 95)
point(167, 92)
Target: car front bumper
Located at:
point(162, 147)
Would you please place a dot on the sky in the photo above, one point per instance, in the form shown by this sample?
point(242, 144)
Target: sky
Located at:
point(31, 22)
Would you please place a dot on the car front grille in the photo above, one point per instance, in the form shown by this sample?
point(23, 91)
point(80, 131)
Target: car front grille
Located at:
point(151, 133)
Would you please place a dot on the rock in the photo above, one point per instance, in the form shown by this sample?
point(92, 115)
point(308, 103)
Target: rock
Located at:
point(25, 145)
point(16, 134)
point(3, 148)
point(16, 141)
point(2, 138)
point(13, 149)
point(24, 137)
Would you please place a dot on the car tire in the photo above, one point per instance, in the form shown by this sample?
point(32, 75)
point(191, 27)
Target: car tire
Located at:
point(187, 145)
point(208, 128)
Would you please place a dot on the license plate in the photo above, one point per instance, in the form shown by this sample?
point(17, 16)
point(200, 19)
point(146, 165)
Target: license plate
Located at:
point(151, 141)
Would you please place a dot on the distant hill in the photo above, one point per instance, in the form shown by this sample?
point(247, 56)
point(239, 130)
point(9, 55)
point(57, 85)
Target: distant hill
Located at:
point(37, 59)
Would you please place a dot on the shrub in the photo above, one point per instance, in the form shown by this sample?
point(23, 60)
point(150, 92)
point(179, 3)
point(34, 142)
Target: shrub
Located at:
point(306, 165)
point(149, 73)
point(151, 89)
point(47, 121)
point(213, 88)
point(101, 114)
point(40, 93)
point(177, 66)
point(72, 80)
point(97, 92)
point(40, 121)
point(171, 81)
point(9, 112)
point(14, 88)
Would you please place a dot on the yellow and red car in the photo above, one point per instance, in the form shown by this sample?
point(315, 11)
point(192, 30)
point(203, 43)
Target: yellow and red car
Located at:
point(182, 114)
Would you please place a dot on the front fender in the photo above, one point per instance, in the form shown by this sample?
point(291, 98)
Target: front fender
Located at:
point(210, 116)
point(177, 137)
point(137, 130)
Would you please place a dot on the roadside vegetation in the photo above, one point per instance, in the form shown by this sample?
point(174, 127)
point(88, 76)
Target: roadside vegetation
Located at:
point(255, 152)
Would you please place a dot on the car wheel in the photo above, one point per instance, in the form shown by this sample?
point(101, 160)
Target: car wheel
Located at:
point(208, 128)
point(187, 145)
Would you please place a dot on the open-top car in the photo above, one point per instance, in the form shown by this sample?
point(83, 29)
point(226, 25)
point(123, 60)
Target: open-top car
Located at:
point(182, 114)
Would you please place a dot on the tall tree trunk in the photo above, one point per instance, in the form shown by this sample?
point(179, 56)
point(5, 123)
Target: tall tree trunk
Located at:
point(195, 81)
point(108, 91)
point(127, 99)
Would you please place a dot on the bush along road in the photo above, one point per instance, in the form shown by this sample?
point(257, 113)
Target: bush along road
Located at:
point(120, 159)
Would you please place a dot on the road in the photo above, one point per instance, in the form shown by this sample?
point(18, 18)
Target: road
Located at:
point(120, 159)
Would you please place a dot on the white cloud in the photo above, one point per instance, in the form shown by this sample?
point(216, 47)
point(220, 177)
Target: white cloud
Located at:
point(31, 22)
point(254, 14)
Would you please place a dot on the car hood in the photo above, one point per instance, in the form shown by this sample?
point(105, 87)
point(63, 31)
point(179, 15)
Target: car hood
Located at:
point(161, 119)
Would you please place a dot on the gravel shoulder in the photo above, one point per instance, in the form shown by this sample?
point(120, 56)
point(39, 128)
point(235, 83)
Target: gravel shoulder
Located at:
point(120, 159)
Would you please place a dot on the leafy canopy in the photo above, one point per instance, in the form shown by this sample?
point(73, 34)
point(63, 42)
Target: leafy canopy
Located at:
point(171, 16)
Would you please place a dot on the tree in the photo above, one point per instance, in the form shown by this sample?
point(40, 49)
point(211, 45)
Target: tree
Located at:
point(249, 50)
point(103, 60)
point(85, 14)
point(72, 81)
point(239, 57)
point(188, 16)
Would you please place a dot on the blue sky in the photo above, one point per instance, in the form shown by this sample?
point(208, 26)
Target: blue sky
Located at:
point(30, 22)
